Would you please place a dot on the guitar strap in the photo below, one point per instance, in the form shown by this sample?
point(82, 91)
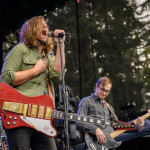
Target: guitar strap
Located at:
point(111, 111)
point(48, 80)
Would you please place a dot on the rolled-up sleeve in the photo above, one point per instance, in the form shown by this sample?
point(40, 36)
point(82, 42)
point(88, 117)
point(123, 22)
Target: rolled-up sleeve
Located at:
point(8, 77)
point(11, 66)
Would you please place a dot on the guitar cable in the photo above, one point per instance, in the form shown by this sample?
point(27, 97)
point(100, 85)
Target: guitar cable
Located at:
point(3, 111)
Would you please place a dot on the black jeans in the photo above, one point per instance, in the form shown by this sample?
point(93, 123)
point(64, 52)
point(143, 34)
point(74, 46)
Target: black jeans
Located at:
point(24, 138)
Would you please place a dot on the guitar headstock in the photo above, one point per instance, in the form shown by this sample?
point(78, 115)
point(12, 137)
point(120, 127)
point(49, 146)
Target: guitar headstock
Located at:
point(119, 125)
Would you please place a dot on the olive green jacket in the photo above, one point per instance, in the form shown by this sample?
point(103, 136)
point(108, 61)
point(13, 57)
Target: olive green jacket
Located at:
point(22, 58)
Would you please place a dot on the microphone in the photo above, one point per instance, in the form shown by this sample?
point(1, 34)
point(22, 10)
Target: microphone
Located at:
point(60, 35)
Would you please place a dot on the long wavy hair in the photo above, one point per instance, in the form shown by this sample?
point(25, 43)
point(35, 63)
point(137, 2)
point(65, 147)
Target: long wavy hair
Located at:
point(30, 32)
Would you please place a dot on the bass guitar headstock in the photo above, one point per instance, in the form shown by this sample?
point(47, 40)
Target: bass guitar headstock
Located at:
point(120, 125)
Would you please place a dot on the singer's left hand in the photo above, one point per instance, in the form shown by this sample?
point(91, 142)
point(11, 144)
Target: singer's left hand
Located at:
point(56, 33)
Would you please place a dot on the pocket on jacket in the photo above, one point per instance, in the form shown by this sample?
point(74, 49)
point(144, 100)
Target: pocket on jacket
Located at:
point(29, 60)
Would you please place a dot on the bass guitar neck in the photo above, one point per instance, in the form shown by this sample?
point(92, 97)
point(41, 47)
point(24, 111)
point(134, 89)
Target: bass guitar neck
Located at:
point(117, 133)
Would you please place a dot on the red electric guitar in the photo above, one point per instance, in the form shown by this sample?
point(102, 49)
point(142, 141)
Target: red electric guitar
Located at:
point(38, 112)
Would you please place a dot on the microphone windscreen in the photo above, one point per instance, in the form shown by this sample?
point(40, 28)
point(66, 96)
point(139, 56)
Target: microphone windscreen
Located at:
point(50, 34)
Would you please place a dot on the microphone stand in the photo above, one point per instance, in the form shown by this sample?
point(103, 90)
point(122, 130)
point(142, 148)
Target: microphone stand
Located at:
point(65, 98)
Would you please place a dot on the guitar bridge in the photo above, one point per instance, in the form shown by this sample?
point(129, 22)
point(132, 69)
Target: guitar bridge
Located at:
point(92, 146)
point(104, 148)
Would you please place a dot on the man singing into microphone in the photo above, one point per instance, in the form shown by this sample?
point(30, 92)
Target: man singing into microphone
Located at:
point(31, 70)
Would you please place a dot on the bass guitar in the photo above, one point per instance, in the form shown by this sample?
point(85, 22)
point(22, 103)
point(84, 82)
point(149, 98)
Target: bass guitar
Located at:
point(38, 112)
point(93, 144)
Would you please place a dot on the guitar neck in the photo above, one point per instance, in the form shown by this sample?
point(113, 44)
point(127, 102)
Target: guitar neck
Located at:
point(78, 118)
point(116, 133)
point(144, 117)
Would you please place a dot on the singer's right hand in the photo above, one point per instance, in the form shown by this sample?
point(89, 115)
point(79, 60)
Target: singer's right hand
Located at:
point(39, 67)
point(56, 33)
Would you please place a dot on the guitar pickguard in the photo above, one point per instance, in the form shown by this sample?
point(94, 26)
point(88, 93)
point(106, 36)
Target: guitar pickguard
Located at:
point(93, 144)
point(42, 125)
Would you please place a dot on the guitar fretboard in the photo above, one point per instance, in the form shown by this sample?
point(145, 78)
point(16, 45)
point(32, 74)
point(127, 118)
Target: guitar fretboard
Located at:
point(78, 118)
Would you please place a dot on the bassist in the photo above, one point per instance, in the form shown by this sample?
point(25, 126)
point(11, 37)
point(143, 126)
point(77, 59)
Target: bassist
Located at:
point(96, 106)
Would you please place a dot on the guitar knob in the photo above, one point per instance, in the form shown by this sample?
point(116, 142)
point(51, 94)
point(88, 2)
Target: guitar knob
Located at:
point(15, 118)
point(14, 123)
point(8, 123)
point(10, 117)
